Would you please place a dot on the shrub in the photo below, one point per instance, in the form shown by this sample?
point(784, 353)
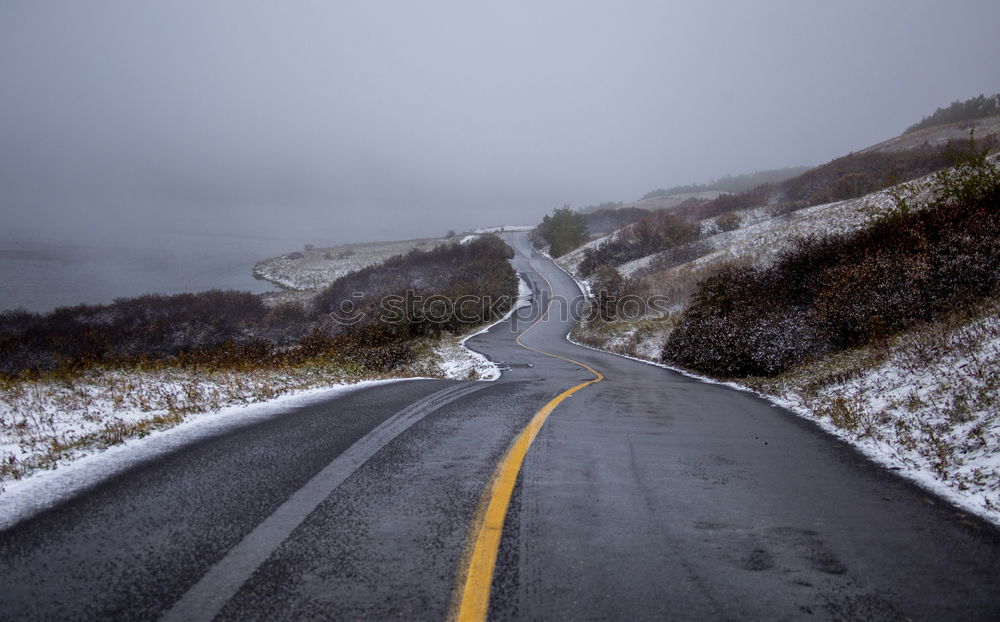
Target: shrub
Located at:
point(831, 293)
point(657, 232)
point(730, 221)
point(699, 210)
point(151, 326)
point(235, 330)
point(479, 268)
point(609, 287)
point(858, 174)
point(973, 178)
point(564, 230)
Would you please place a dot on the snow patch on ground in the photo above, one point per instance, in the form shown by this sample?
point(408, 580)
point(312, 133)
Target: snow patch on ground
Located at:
point(762, 241)
point(43, 489)
point(458, 362)
point(45, 424)
point(629, 268)
point(570, 262)
point(763, 235)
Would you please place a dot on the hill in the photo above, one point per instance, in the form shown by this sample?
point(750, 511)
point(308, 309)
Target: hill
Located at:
point(728, 184)
point(974, 108)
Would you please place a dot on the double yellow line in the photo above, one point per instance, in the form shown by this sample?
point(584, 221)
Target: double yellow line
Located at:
point(475, 575)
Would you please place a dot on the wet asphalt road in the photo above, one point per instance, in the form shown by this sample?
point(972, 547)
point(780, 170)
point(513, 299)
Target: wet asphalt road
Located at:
point(645, 496)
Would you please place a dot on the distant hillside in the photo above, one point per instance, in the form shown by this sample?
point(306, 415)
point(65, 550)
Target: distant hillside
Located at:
point(313, 268)
point(672, 201)
point(904, 158)
point(880, 166)
point(604, 221)
point(975, 108)
point(939, 135)
point(759, 222)
point(731, 183)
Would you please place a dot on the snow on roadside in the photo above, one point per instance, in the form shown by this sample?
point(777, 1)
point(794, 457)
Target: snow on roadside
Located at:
point(903, 409)
point(459, 362)
point(43, 489)
point(50, 422)
point(930, 410)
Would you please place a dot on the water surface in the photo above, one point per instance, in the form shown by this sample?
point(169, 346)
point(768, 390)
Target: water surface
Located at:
point(39, 274)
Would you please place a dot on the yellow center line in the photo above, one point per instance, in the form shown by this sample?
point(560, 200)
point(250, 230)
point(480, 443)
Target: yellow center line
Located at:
point(476, 571)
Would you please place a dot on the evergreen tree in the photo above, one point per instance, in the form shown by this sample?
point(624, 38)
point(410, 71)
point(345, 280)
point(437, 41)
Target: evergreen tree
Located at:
point(564, 230)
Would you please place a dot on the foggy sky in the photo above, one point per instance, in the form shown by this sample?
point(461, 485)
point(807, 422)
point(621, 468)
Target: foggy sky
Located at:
point(373, 119)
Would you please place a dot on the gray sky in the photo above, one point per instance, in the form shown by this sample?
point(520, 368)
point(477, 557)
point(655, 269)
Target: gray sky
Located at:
point(375, 119)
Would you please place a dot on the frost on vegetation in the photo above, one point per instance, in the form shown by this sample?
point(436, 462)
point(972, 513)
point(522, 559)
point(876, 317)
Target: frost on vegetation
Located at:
point(570, 262)
point(929, 405)
point(456, 362)
point(46, 422)
point(641, 339)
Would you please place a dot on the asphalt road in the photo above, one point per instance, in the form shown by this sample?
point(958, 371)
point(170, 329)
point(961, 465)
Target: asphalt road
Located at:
point(646, 495)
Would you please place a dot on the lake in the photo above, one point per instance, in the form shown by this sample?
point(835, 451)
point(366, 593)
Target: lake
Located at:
point(39, 275)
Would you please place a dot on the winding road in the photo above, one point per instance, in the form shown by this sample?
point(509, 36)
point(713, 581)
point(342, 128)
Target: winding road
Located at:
point(580, 486)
